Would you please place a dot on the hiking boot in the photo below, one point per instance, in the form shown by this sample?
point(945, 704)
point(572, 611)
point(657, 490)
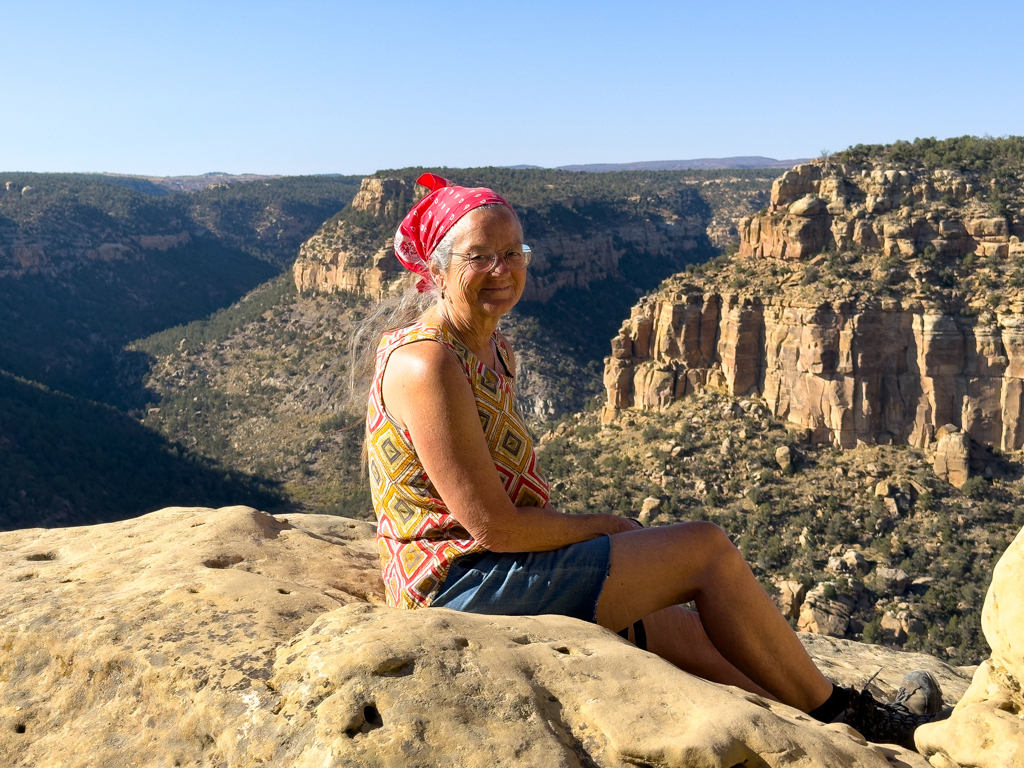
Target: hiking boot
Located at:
point(885, 723)
point(920, 693)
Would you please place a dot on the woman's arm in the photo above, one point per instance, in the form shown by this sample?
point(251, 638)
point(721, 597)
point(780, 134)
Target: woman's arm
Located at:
point(426, 390)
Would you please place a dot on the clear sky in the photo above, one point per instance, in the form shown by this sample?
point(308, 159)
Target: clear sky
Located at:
point(307, 86)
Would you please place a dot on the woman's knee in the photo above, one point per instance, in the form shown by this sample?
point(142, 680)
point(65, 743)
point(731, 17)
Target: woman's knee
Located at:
point(711, 537)
point(714, 545)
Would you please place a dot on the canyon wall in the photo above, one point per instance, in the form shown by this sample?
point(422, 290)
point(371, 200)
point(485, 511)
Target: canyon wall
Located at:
point(871, 371)
point(894, 211)
point(850, 359)
point(354, 252)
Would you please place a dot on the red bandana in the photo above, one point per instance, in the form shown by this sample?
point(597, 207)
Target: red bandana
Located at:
point(431, 219)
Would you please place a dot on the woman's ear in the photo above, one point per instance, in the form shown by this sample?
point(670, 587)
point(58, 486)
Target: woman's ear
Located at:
point(436, 275)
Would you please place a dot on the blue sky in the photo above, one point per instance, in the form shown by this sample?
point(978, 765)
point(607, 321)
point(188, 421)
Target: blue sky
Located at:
point(183, 87)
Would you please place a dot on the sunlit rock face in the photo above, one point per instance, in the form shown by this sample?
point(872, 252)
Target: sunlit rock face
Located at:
point(232, 637)
point(872, 371)
point(354, 253)
point(857, 364)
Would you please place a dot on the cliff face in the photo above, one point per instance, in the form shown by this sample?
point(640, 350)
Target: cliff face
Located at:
point(353, 252)
point(846, 371)
point(858, 357)
point(341, 257)
point(896, 211)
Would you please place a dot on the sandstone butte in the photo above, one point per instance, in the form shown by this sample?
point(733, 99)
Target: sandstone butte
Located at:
point(852, 366)
point(201, 637)
point(338, 258)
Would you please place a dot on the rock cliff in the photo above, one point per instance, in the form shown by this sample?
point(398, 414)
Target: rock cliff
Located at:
point(232, 637)
point(869, 304)
point(353, 251)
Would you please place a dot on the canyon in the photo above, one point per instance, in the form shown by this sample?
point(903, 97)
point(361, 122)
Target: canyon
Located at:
point(343, 256)
point(840, 358)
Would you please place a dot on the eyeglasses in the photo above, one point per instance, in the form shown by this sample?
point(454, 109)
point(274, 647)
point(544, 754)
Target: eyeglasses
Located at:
point(486, 259)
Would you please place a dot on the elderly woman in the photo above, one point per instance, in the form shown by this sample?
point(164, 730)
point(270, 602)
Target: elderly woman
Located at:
point(464, 518)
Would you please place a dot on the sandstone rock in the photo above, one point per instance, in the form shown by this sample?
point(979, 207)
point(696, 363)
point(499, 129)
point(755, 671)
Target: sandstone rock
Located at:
point(855, 369)
point(651, 506)
point(883, 488)
point(790, 598)
point(891, 580)
point(892, 629)
point(825, 616)
point(855, 562)
point(231, 637)
point(986, 728)
point(840, 371)
point(953, 458)
point(807, 206)
point(784, 458)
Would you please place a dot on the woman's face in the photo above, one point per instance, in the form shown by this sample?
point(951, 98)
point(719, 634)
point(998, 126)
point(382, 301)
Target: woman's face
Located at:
point(475, 295)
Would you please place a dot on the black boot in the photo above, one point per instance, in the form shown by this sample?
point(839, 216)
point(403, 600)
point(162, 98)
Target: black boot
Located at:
point(885, 723)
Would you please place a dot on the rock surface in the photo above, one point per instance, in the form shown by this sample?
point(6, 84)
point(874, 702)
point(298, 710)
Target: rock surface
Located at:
point(200, 637)
point(342, 257)
point(844, 362)
point(987, 726)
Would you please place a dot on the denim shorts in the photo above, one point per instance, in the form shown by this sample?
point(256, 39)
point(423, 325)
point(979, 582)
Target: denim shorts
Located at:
point(565, 581)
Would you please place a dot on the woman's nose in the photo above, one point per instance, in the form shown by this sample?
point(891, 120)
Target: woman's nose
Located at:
point(501, 264)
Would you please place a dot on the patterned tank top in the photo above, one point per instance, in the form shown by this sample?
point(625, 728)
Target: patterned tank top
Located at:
point(417, 538)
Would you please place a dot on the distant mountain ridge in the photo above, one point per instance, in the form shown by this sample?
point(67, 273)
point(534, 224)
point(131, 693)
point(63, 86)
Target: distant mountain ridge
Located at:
point(700, 163)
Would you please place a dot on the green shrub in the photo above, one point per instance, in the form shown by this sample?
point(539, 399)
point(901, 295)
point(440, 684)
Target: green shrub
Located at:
point(873, 631)
point(974, 488)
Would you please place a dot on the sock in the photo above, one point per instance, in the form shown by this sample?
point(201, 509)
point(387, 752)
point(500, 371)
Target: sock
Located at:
point(833, 705)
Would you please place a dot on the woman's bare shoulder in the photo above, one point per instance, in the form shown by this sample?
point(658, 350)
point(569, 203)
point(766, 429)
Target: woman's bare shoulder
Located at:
point(420, 370)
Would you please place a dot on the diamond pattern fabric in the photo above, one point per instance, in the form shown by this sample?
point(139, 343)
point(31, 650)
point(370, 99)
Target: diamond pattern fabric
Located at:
point(417, 538)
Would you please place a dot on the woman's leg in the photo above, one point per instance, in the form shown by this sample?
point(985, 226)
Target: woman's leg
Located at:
point(676, 634)
point(655, 568)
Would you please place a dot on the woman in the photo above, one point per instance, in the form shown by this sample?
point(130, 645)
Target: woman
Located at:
point(464, 519)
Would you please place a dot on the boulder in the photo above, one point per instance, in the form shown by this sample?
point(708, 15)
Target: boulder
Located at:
point(784, 458)
point(232, 637)
point(856, 563)
point(986, 728)
point(892, 581)
point(952, 460)
point(807, 206)
point(825, 616)
point(790, 598)
point(649, 509)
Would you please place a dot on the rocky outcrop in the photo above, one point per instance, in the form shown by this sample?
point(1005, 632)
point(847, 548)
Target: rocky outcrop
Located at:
point(895, 210)
point(987, 725)
point(872, 371)
point(342, 257)
point(353, 252)
point(233, 637)
point(843, 357)
point(952, 461)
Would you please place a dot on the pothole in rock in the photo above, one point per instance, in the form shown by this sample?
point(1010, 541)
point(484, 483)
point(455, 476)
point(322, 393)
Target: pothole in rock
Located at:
point(39, 557)
point(223, 561)
point(371, 721)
